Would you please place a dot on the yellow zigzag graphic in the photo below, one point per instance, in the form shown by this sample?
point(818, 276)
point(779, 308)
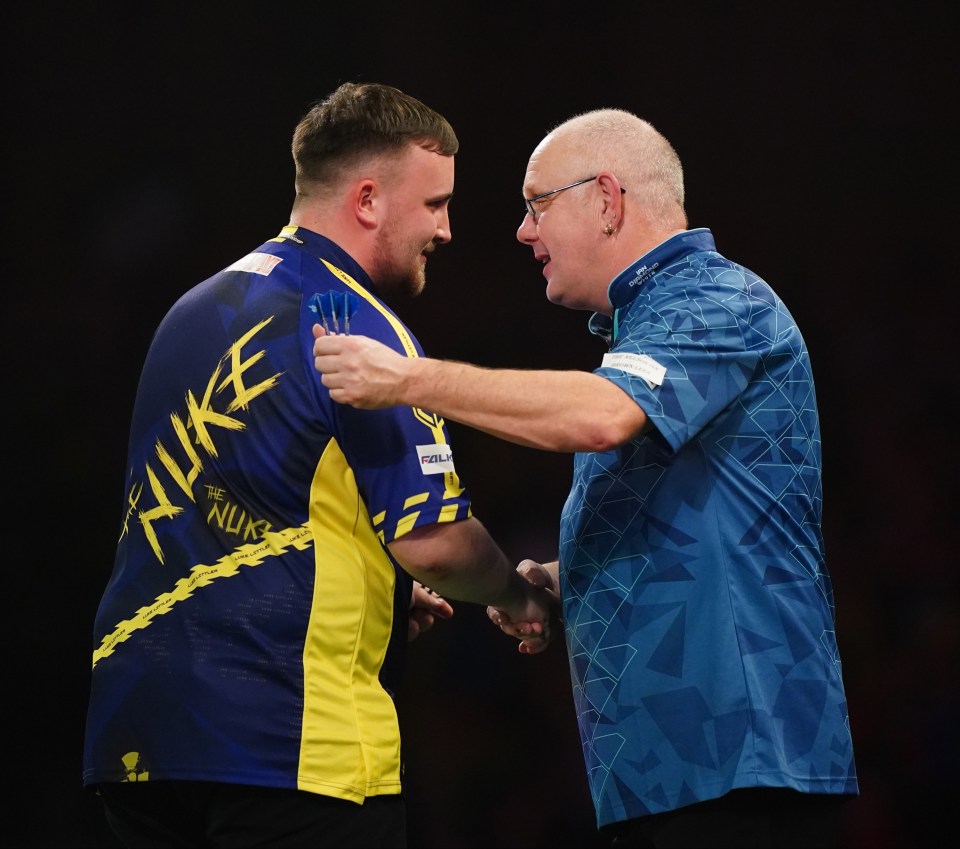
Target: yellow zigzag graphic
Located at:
point(273, 544)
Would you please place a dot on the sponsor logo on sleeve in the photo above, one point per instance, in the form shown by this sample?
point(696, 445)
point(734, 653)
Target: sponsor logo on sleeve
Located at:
point(435, 459)
point(639, 364)
point(256, 263)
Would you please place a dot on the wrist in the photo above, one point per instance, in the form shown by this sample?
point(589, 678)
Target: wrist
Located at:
point(413, 377)
point(513, 599)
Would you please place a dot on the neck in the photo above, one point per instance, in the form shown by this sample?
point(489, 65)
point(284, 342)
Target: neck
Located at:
point(355, 240)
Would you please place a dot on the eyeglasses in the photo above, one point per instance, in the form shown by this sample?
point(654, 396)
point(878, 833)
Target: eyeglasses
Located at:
point(529, 202)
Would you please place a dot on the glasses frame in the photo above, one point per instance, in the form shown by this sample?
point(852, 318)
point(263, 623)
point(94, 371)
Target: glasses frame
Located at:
point(529, 202)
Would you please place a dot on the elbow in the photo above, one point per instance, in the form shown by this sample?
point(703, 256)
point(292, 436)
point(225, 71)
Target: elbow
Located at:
point(604, 439)
point(426, 553)
point(595, 438)
point(611, 430)
point(429, 574)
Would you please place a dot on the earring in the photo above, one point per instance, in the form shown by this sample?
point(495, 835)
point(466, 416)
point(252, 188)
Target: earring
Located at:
point(609, 230)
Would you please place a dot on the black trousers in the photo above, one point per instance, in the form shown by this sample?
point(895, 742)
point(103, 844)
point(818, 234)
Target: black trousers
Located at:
point(154, 814)
point(751, 818)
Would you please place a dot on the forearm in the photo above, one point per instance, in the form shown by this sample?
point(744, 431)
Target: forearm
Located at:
point(460, 560)
point(549, 409)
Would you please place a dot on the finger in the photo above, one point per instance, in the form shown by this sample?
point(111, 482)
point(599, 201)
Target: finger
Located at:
point(327, 343)
point(498, 617)
point(441, 607)
point(533, 646)
point(318, 331)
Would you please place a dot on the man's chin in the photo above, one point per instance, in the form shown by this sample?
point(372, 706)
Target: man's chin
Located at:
point(553, 295)
point(417, 283)
point(401, 287)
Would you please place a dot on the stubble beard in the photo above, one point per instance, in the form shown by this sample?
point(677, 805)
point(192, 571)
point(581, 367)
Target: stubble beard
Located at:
point(393, 278)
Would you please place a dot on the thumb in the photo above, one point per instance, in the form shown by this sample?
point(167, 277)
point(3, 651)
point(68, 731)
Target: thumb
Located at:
point(534, 573)
point(318, 331)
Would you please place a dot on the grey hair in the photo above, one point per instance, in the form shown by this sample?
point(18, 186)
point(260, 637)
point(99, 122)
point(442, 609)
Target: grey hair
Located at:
point(640, 156)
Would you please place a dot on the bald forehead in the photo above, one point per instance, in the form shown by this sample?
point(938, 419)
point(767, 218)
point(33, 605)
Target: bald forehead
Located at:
point(554, 159)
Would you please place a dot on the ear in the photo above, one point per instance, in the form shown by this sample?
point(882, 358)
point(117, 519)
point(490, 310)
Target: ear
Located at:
point(366, 196)
point(612, 210)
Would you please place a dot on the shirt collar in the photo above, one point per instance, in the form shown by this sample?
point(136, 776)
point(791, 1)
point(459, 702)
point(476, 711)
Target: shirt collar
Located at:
point(323, 248)
point(629, 282)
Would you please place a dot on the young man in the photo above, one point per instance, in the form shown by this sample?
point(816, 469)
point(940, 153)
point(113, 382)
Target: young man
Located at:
point(696, 603)
point(248, 644)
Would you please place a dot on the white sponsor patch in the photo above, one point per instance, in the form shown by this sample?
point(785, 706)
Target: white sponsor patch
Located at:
point(435, 459)
point(639, 364)
point(256, 263)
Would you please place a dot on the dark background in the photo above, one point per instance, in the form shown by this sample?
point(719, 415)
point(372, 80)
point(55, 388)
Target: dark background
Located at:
point(146, 148)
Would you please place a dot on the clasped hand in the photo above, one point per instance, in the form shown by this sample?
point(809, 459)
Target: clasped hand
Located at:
point(534, 636)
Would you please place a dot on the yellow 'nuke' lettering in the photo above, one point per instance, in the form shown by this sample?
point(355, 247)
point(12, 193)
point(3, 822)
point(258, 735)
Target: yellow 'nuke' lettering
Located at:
point(202, 418)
